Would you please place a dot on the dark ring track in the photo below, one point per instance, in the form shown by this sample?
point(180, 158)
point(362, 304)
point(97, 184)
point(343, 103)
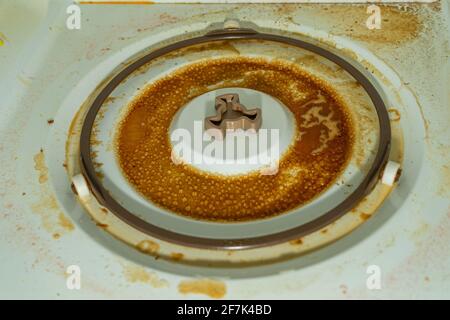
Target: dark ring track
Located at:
point(103, 196)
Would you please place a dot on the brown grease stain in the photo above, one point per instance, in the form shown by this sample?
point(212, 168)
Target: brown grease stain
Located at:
point(399, 24)
point(136, 274)
point(53, 219)
point(41, 168)
point(364, 216)
point(212, 288)
point(64, 222)
point(176, 256)
point(296, 242)
point(94, 141)
point(321, 149)
point(102, 225)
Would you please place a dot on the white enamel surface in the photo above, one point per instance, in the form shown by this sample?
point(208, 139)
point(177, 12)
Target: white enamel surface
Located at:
point(81, 187)
point(275, 116)
point(48, 71)
point(390, 172)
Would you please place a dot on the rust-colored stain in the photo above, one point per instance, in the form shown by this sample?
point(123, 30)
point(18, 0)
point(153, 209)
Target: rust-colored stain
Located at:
point(64, 222)
point(148, 247)
point(40, 166)
point(399, 24)
point(94, 141)
point(50, 121)
point(97, 165)
point(102, 225)
point(176, 256)
point(212, 288)
point(53, 219)
point(364, 216)
point(136, 274)
point(319, 152)
point(296, 242)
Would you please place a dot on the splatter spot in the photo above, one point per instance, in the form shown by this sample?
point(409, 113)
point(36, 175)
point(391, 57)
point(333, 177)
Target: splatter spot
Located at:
point(296, 242)
point(64, 222)
point(102, 225)
point(41, 168)
point(364, 216)
point(211, 288)
point(148, 247)
point(176, 256)
point(136, 274)
point(53, 220)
